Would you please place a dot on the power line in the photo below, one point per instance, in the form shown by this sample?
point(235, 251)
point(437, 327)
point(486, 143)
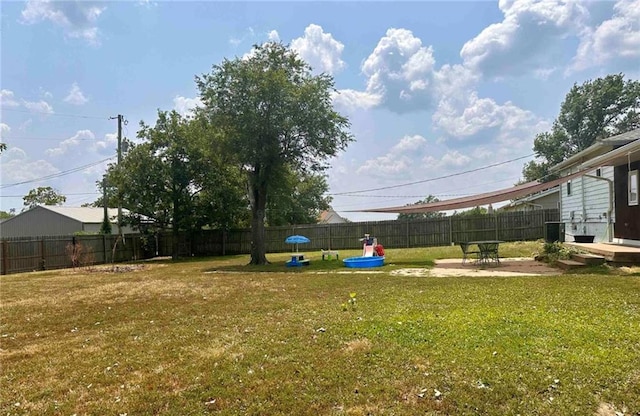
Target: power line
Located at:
point(66, 194)
point(433, 194)
point(433, 179)
point(17, 110)
point(46, 138)
point(59, 174)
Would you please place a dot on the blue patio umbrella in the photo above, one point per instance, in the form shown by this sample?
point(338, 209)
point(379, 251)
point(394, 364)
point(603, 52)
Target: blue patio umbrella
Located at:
point(297, 239)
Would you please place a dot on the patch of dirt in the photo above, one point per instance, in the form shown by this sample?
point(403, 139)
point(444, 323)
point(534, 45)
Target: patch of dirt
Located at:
point(507, 267)
point(107, 268)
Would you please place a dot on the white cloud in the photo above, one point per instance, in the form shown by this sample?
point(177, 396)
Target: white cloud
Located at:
point(184, 105)
point(71, 143)
point(108, 146)
point(616, 39)
point(250, 34)
point(7, 99)
point(320, 50)
point(273, 36)
point(452, 160)
point(147, 3)
point(454, 81)
point(78, 18)
point(75, 96)
point(409, 144)
point(400, 70)
point(17, 167)
point(352, 100)
point(400, 161)
point(530, 37)
point(38, 106)
point(4, 129)
point(462, 119)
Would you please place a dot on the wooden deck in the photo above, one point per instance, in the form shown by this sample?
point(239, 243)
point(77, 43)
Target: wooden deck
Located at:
point(613, 253)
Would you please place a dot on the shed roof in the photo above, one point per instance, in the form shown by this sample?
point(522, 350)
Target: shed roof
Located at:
point(86, 215)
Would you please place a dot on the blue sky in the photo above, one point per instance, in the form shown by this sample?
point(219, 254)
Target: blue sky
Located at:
point(432, 89)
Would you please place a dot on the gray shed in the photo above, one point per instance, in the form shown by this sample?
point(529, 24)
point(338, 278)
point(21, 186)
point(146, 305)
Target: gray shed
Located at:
point(45, 220)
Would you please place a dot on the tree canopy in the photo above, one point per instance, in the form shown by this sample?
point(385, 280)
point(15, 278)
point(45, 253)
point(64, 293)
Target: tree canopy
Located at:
point(275, 117)
point(43, 195)
point(297, 199)
point(596, 109)
point(172, 177)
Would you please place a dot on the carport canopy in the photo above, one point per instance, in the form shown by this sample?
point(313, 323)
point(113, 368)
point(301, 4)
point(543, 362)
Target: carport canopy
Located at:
point(507, 194)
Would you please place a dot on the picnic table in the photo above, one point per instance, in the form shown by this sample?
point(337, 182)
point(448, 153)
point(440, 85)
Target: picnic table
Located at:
point(486, 252)
point(297, 260)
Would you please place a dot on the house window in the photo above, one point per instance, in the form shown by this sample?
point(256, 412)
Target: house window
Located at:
point(598, 172)
point(632, 185)
point(569, 188)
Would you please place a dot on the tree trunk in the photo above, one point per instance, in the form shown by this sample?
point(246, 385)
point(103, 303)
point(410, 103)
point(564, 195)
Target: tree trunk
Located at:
point(175, 242)
point(175, 229)
point(258, 211)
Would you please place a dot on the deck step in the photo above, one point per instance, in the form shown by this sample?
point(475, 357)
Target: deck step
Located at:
point(588, 259)
point(570, 264)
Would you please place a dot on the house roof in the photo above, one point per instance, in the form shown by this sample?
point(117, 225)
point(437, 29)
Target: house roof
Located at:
point(330, 217)
point(534, 197)
point(600, 147)
point(630, 152)
point(86, 215)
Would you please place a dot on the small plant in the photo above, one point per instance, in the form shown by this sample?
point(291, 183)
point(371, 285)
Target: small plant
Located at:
point(74, 251)
point(552, 252)
point(350, 303)
point(79, 256)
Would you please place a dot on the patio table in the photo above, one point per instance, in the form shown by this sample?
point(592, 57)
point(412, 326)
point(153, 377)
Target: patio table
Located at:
point(487, 252)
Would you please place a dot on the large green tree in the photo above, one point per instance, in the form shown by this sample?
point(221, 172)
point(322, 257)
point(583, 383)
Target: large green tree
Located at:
point(297, 199)
point(275, 117)
point(43, 195)
point(422, 215)
point(174, 179)
point(594, 110)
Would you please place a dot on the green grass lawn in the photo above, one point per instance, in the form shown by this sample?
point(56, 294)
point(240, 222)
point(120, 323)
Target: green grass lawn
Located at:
point(212, 336)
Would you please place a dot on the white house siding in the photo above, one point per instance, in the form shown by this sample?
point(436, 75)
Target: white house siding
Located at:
point(585, 211)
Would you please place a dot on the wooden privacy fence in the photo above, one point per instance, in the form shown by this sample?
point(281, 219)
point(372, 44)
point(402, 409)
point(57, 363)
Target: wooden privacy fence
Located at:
point(45, 253)
point(505, 226)
point(27, 254)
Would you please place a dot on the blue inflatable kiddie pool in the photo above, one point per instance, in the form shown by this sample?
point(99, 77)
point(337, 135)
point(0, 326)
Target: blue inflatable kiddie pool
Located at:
point(364, 262)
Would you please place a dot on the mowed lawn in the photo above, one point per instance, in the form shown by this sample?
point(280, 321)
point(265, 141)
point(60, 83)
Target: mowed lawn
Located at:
point(212, 336)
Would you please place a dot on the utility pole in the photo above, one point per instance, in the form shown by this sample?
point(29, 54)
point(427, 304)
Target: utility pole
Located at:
point(105, 203)
point(120, 118)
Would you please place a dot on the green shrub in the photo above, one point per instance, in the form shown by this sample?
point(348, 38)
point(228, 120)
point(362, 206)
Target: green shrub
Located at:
point(552, 252)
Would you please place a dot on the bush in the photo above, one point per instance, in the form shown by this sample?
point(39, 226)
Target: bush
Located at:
point(552, 252)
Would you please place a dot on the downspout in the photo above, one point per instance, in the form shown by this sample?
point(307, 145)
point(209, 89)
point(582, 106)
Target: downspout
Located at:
point(584, 207)
point(610, 210)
